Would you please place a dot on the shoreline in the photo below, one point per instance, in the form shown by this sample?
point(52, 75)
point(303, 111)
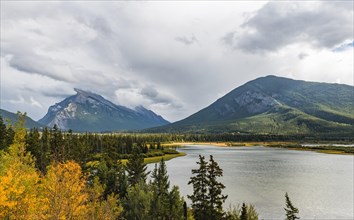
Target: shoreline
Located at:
point(166, 157)
point(325, 148)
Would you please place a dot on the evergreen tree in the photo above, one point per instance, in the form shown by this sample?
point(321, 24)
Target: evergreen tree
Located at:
point(137, 203)
point(207, 198)
point(200, 184)
point(33, 144)
point(57, 144)
point(117, 181)
point(160, 185)
point(244, 212)
point(3, 134)
point(165, 204)
point(291, 211)
point(136, 168)
point(175, 205)
point(43, 160)
point(10, 135)
point(216, 199)
point(247, 212)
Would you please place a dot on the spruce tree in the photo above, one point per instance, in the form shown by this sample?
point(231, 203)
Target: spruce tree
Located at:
point(216, 199)
point(244, 214)
point(117, 181)
point(136, 205)
point(57, 144)
point(3, 134)
point(33, 145)
point(207, 198)
point(291, 211)
point(136, 168)
point(175, 205)
point(200, 184)
point(166, 204)
point(43, 159)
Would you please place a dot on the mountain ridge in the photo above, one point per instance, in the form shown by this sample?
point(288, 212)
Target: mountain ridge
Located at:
point(275, 105)
point(87, 111)
point(30, 123)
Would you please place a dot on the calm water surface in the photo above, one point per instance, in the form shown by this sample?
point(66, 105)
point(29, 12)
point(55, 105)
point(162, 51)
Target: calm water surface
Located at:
point(320, 185)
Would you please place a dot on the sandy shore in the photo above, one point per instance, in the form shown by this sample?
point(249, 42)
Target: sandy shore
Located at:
point(220, 144)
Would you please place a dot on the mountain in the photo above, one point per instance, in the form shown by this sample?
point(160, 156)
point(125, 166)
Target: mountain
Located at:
point(30, 123)
point(87, 111)
point(275, 105)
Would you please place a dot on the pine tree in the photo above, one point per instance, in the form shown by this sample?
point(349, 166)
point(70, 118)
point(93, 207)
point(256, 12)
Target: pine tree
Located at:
point(207, 198)
point(10, 135)
point(33, 144)
point(116, 180)
point(175, 205)
point(160, 185)
point(216, 199)
point(137, 203)
point(247, 212)
point(200, 184)
point(57, 144)
point(244, 212)
point(291, 211)
point(3, 134)
point(165, 204)
point(136, 168)
point(43, 160)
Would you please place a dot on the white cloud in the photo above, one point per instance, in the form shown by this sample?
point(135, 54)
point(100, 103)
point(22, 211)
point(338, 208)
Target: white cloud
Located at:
point(278, 24)
point(35, 103)
point(167, 56)
point(20, 100)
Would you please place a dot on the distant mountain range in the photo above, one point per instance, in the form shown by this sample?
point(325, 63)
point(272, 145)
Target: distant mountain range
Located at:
point(267, 105)
point(275, 105)
point(30, 123)
point(87, 111)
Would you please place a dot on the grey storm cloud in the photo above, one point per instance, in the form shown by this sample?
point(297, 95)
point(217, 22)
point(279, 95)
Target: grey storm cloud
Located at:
point(145, 53)
point(302, 55)
point(187, 41)
point(149, 92)
point(278, 24)
point(41, 65)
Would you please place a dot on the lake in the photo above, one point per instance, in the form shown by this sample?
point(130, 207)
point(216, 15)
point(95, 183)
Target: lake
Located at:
point(320, 185)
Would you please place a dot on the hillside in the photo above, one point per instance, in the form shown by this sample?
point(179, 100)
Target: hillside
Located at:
point(30, 123)
point(275, 105)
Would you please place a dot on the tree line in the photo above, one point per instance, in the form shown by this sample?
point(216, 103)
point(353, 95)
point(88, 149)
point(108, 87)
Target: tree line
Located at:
point(57, 175)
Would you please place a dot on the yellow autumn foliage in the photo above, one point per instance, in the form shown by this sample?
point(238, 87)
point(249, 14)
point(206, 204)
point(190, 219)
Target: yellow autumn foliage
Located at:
point(61, 194)
point(18, 179)
point(63, 189)
point(99, 209)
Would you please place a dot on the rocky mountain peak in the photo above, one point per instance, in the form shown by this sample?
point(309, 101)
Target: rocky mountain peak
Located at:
point(88, 111)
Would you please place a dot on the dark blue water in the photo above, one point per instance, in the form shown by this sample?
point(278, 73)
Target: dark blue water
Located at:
point(320, 185)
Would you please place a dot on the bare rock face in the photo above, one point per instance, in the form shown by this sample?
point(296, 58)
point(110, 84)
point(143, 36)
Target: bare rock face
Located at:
point(256, 102)
point(62, 115)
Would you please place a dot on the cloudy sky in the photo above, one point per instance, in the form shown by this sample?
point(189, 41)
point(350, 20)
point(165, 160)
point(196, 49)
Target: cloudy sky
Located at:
point(172, 57)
